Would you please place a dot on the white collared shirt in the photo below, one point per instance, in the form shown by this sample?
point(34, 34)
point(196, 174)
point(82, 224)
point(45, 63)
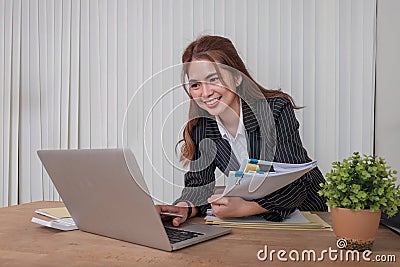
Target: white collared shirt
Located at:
point(239, 142)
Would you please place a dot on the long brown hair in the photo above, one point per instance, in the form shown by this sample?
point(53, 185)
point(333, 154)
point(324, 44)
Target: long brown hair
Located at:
point(220, 50)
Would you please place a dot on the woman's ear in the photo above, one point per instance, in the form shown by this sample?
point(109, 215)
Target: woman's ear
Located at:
point(238, 80)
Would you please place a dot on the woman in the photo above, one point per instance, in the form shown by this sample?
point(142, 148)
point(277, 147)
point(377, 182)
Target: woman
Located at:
point(233, 118)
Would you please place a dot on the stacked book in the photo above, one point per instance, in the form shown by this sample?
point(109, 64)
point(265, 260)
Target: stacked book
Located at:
point(63, 220)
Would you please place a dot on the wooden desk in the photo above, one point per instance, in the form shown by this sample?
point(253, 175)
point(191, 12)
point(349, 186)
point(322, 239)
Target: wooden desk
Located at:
point(23, 243)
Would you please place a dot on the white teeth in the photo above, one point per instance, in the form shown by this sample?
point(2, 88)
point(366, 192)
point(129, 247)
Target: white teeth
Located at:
point(211, 102)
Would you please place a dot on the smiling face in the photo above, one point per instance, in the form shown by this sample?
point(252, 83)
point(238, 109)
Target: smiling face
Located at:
point(212, 94)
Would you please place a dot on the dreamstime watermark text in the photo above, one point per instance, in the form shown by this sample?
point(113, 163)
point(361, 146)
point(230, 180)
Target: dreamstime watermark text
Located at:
point(329, 254)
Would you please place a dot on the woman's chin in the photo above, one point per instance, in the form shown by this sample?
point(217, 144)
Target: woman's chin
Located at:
point(214, 111)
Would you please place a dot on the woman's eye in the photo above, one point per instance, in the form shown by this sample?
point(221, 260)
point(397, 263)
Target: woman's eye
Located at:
point(194, 86)
point(214, 79)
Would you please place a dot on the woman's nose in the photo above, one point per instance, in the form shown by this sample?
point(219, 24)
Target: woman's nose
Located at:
point(207, 90)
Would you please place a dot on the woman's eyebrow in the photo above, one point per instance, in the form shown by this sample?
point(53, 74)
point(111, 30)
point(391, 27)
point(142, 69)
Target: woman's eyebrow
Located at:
point(208, 76)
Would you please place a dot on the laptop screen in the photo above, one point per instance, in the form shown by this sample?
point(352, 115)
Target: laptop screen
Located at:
point(393, 222)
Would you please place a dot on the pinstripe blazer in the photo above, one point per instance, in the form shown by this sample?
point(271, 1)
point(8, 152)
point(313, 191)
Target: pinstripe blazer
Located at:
point(212, 151)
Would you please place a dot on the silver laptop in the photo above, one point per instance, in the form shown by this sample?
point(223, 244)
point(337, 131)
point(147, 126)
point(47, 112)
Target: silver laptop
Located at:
point(103, 198)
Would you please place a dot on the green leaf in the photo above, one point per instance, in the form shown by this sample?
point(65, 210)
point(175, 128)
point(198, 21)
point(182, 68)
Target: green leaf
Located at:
point(360, 182)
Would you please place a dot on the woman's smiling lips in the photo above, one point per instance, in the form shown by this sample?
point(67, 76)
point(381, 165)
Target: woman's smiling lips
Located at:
point(212, 102)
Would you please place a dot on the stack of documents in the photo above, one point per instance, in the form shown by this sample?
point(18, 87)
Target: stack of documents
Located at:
point(63, 220)
point(296, 221)
point(257, 178)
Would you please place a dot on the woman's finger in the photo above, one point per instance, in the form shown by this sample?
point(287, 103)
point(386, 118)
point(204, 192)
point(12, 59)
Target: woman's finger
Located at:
point(214, 198)
point(177, 221)
point(220, 201)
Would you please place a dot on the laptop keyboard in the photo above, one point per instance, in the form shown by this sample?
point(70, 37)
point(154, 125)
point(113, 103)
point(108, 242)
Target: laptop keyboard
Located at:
point(178, 235)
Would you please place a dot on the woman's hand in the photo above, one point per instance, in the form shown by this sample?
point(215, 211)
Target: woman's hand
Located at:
point(232, 207)
point(180, 208)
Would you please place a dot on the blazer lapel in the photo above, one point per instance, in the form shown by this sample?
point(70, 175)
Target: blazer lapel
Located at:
point(252, 130)
point(261, 138)
point(225, 158)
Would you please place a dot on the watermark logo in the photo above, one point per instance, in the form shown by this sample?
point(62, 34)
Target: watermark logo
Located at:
point(341, 243)
point(330, 254)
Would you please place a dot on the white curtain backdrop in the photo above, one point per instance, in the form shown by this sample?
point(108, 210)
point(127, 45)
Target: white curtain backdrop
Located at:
point(69, 67)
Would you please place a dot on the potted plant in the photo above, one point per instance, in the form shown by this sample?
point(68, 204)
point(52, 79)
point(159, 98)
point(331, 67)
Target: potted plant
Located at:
point(357, 190)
